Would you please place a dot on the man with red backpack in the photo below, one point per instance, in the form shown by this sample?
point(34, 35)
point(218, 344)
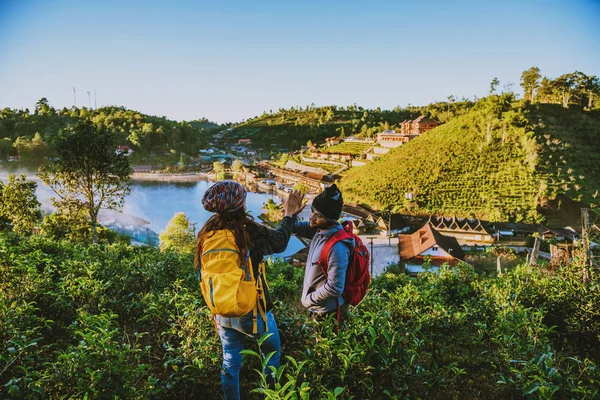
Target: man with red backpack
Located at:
point(336, 274)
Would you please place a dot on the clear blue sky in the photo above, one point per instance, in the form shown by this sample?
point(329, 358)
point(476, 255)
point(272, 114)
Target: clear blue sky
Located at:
point(229, 61)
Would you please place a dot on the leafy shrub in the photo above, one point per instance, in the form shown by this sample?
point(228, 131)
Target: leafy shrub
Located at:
point(107, 321)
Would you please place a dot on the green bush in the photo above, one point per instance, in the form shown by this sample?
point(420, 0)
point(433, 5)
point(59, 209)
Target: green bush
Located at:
point(111, 320)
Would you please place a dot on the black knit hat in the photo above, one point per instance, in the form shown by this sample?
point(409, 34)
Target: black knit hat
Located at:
point(329, 202)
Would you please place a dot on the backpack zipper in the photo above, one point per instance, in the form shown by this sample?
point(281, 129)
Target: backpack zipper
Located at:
point(212, 300)
point(217, 250)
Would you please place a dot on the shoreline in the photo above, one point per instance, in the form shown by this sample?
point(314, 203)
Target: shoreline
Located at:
point(189, 177)
point(251, 186)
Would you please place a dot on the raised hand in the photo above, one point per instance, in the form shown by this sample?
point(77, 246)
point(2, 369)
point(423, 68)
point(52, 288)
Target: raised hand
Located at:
point(293, 204)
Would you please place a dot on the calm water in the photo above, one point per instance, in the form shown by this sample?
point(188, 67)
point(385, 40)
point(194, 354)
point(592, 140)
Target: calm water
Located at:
point(157, 202)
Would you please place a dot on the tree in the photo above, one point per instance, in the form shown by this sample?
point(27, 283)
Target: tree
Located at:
point(32, 151)
point(20, 206)
point(237, 166)
point(5, 146)
point(592, 87)
point(304, 189)
point(181, 162)
point(178, 235)
point(42, 107)
point(493, 85)
point(569, 87)
point(89, 173)
point(219, 171)
point(66, 222)
point(451, 99)
point(274, 211)
point(530, 81)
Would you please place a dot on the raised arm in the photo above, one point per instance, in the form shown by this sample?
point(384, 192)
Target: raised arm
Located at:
point(276, 240)
point(303, 229)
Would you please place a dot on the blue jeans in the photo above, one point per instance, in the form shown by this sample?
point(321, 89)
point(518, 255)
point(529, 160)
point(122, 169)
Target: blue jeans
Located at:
point(232, 332)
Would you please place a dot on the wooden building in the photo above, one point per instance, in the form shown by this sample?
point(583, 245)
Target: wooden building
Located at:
point(468, 232)
point(316, 182)
point(391, 139)
point(418, 126)
point(427, 244)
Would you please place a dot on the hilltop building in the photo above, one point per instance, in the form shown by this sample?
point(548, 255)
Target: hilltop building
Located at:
point(418, 126)
point(409, 130)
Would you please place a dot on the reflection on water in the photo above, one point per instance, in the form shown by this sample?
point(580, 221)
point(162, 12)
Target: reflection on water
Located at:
point(150, 206)
point(157, 202)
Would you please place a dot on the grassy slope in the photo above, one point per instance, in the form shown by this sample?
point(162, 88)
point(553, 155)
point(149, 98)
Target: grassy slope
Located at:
point(294, 127)
point(454, 170)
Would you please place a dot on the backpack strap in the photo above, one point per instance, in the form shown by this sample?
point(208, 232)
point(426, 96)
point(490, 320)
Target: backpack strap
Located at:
point(261, 303)
point(337, 237)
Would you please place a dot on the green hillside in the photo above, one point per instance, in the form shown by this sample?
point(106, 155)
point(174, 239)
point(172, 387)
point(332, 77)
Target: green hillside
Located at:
point(499, 161)
point(294, 127)
point(32, 134)
point(349, 147)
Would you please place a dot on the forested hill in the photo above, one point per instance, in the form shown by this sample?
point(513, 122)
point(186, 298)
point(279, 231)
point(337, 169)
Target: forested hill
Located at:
point(32, 134)
point(292, 128)
point(502, 160)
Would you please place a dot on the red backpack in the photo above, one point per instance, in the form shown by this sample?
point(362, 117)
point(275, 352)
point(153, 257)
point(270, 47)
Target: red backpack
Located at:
point(358, 276)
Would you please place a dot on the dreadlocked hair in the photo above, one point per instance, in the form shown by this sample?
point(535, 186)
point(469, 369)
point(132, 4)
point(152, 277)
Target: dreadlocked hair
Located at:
point(236, 222)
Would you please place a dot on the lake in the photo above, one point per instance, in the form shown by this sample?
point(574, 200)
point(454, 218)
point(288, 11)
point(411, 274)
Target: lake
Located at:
point(157, 202)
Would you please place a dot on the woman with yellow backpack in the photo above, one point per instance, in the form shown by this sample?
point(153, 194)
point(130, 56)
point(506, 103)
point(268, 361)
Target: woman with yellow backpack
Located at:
point(229, 263)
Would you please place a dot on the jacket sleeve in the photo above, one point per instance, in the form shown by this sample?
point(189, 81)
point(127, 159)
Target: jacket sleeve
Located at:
point(338, 260)
point(272, 241)
point(303, 229)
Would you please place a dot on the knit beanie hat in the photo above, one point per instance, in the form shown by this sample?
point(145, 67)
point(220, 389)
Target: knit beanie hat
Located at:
point(329, 202)
point(224, 197)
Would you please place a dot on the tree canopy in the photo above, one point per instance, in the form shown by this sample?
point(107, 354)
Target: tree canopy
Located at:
point(178, 235)
point(19, 206)
point(89, 173)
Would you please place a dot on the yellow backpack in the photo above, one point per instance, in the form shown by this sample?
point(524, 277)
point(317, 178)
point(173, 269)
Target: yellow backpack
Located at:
point(228, 285)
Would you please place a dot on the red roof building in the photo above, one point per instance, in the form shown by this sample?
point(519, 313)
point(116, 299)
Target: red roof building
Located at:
point(428, 244)
point(418, 126)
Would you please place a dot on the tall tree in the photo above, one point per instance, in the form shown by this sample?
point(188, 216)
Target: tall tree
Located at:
point(89, 173)
point(493, 85)
point(530, 81)
point(43, 107)
point(592, 89)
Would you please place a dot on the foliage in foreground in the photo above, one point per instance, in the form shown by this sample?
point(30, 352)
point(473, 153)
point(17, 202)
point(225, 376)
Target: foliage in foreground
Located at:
point(107, 321)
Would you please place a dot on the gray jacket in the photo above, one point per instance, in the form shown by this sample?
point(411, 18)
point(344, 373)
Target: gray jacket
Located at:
point(319, 293)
